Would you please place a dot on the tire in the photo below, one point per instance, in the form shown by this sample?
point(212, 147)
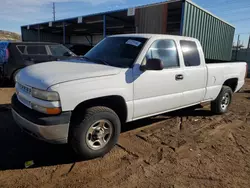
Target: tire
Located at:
point(82, 137)
point(222, 102)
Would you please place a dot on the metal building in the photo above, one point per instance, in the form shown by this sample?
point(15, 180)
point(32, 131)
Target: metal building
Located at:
point(176, 17)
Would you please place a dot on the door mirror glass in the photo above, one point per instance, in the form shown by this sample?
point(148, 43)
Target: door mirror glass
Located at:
point(153, 64)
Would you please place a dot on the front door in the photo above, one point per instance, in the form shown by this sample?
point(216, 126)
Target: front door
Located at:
point(158, 91)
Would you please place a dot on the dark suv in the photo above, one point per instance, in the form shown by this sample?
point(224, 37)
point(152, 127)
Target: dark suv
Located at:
point(17, 55)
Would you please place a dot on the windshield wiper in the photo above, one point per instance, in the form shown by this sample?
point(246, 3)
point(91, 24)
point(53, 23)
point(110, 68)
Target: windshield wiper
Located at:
point(87, 58)
point(102, 61)
point(97, 60)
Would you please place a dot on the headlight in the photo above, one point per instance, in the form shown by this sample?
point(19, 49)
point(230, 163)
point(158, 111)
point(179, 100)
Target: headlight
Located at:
point(51, 111)
point(45, 95)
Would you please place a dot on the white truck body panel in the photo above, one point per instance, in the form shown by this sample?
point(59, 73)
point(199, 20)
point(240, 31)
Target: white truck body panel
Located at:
point(73, 93)
point(219, 73)
point(145, 93)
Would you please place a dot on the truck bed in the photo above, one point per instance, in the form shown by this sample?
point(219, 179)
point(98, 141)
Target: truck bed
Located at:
point(219, 72)
point(210, 61)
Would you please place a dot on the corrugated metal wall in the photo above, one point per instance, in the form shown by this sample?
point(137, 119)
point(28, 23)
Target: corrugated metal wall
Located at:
point(152, 19)
point(215, 35)
point(83, 40)
point(29, 35)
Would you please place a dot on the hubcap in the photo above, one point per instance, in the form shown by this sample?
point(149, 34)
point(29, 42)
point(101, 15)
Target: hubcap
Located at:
point(99, 134)
point(225, 101)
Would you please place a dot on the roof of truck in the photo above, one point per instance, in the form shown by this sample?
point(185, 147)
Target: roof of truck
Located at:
point(145, 35)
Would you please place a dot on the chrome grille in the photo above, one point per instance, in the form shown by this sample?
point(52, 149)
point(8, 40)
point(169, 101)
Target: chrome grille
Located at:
point(24, 89)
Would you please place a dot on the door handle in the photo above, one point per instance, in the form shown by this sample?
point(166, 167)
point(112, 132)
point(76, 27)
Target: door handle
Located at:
point(179, 77)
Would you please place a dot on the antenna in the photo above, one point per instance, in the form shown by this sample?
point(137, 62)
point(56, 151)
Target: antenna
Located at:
point(54, 11)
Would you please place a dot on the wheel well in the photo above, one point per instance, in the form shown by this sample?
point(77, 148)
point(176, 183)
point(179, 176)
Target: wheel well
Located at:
point(13, 74)
point(232, 83)
point(116, 103)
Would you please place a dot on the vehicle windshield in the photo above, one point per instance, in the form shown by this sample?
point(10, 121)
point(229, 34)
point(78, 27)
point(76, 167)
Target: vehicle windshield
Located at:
point(60, 50)
point(117, 51)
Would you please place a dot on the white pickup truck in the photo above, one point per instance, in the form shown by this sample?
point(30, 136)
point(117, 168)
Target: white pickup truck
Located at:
point(124, 78)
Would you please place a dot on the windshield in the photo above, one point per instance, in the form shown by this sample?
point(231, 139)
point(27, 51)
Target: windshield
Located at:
point(117, 51)
point(60, 50)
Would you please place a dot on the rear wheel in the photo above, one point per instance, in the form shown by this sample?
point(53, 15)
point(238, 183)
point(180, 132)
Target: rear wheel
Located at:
point(96, 132)
point(221, 103)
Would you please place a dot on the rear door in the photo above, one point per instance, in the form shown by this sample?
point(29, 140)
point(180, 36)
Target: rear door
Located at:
point(195, 73)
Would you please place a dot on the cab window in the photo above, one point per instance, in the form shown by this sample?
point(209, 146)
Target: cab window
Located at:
point(190, 53)
point(166, 51)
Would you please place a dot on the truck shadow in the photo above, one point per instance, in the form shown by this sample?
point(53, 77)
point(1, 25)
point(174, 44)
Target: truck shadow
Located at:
point(193, 111)
point(16, 147)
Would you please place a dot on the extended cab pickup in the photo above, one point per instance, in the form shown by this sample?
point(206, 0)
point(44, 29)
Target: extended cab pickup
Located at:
point(85, 101)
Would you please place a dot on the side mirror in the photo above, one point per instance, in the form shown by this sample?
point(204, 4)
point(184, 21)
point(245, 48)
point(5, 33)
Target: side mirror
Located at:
point(68, 54)
point(153, 64)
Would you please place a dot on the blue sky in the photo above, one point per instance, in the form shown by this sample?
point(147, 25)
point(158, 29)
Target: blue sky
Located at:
point(15, 13)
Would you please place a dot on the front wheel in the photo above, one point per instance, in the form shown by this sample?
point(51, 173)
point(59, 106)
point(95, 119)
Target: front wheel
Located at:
point(96, 133)
point(221, 103)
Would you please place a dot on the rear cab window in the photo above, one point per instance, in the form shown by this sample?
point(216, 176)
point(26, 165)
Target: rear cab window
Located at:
point(190, 53)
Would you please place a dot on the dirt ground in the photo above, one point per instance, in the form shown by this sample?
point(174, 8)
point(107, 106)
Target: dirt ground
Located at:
point(188, 148)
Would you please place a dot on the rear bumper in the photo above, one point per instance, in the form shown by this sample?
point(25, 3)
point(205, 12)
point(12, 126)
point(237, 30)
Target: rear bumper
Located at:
point(52, 129)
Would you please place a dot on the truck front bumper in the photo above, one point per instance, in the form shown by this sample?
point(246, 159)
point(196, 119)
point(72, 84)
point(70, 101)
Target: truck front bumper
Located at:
point(52, 129)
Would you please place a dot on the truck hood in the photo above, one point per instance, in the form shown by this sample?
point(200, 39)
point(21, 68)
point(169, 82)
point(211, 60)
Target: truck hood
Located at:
point(44, 75)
